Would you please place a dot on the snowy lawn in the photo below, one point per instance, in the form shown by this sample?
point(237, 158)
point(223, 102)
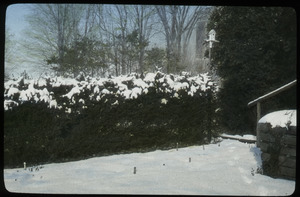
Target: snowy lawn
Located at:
point(227, 168)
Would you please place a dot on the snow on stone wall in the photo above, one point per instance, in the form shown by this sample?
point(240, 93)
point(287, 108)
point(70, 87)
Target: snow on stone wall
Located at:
point(282, 118)
point(276, 137)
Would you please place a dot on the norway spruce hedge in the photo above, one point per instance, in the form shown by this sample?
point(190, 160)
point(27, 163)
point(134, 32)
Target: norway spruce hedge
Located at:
point(98, 117)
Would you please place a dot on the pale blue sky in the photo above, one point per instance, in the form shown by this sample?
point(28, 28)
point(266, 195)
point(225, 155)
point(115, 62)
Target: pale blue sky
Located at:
point(15, 18)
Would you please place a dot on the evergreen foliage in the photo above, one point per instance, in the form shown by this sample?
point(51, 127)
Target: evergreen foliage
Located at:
point(155, 59)
point(84, 55)
point(38, 133)
point(256, 54)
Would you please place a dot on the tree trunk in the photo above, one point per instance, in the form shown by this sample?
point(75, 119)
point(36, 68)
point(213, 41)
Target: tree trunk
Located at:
point(141, 60)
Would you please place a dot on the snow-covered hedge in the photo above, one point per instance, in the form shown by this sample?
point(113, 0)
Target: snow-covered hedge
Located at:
point(53, 119)
point(122, 87)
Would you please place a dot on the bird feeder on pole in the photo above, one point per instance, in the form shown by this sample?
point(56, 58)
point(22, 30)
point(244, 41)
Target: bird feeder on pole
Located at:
point(211, 40)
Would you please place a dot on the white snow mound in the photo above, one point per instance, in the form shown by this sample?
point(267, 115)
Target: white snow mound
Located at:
point(281, 118)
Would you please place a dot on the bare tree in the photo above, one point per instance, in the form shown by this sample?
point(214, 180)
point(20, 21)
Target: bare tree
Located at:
point(143, 16)
point(122, 12)
point(9, 51)
point(90, 23)
point(114, 23)
point(9, 46)
point(56, 27)
point(52, 27)
point(179, 23)
point(162, 13)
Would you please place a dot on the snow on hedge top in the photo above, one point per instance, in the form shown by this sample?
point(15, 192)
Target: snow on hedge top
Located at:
point(281, 118)
point(127, 86)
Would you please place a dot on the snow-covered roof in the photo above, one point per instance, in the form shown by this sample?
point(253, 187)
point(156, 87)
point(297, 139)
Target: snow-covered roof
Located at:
point(273, 93)
point(281, 118)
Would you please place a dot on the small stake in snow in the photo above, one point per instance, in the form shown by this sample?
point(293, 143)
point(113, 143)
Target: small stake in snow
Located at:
point(177, 146)
point(24, 165)
point(134, 170)
point(203, 147)
point(190, 159)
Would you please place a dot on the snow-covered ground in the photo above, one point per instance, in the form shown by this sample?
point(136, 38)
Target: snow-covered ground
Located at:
point(225, 168)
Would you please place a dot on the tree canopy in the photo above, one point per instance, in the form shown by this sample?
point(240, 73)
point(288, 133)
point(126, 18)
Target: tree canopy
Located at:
point(256, 54)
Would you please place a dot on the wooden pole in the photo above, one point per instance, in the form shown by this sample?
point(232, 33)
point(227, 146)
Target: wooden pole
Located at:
point(258, 118)
point(209, 55)
point(258, 111)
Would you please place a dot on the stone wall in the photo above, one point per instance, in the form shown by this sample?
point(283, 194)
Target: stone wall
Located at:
point(278, 146)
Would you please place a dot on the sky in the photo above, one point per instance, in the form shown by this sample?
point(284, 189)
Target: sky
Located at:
point(15, 18)
point(15, 23)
